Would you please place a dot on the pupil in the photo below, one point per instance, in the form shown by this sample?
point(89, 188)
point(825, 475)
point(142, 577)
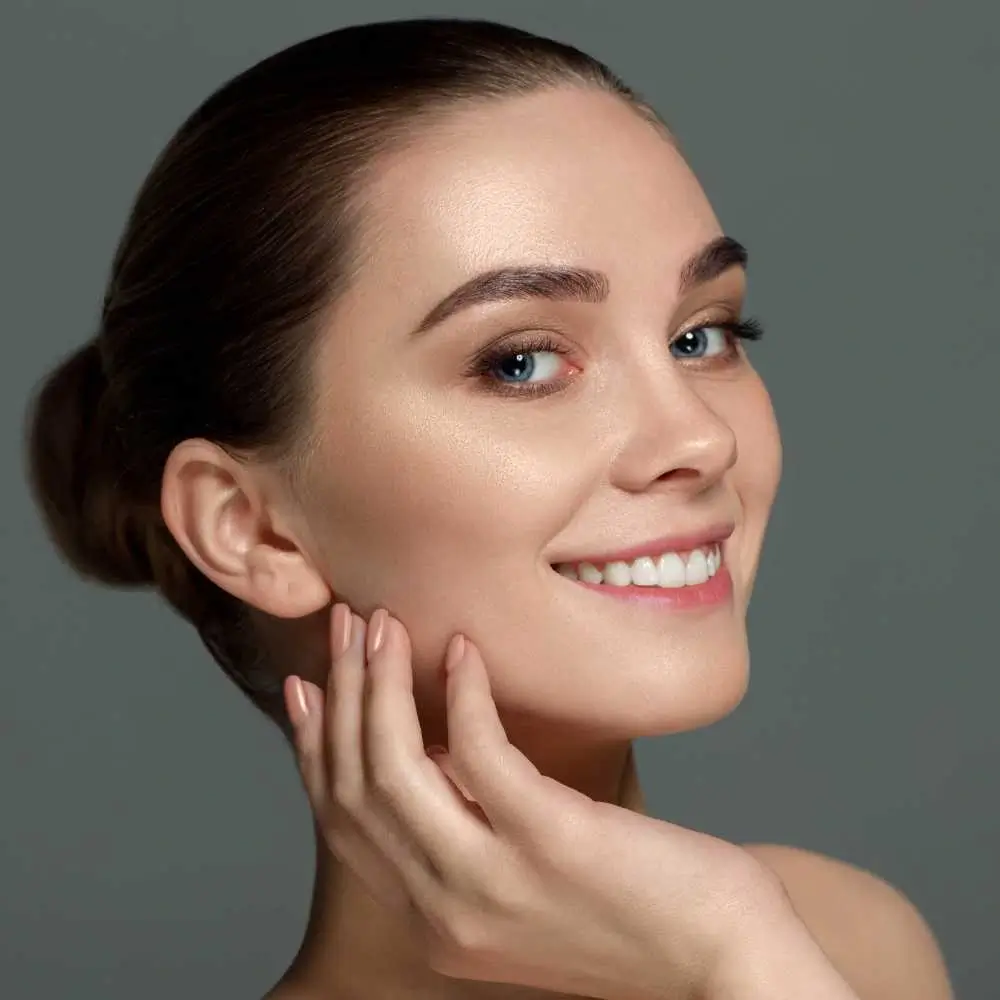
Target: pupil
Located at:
point(690, 342)
point(517, 366)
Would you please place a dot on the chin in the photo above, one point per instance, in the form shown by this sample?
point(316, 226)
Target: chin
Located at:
point(701, 692)
point(710, 703)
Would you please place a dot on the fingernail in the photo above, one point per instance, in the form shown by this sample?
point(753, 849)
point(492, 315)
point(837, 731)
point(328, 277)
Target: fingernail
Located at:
point(455, 651)
point(299, 706)
point(314, 699)
point(341, 629)
point(376, 631)
point(435, 748)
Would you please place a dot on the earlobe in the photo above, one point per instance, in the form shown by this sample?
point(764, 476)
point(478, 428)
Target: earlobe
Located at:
point(218, 510)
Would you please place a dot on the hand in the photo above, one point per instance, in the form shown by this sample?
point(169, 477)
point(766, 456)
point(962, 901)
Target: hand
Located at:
point(507, 875)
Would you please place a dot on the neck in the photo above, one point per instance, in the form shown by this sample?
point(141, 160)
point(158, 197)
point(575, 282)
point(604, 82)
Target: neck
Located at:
point(355, 947)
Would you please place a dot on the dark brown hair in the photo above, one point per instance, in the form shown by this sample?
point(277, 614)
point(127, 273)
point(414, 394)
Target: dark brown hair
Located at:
point(241, 235)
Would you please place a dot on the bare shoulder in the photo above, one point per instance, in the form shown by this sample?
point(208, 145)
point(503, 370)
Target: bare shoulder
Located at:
point(288, 990)
point(291, 988)
point(874, 936)
point(284, 991)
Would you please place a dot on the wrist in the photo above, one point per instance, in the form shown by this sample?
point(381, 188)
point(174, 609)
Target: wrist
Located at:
point(778, 959)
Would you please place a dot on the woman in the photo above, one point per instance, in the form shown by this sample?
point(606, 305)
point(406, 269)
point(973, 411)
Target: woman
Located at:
point(423, 346)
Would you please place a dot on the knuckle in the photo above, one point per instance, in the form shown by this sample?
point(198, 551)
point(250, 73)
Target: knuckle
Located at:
point(335, 837)
point(348, 795)
point(339, 843)
point(566, 842)
point(385, 780)
point(444, 960)
point(460, 935)
point(508, 892)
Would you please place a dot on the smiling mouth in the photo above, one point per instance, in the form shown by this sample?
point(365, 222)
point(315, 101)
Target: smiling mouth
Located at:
point(667, 571)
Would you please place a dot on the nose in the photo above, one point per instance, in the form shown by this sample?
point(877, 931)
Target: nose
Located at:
point(670, 434)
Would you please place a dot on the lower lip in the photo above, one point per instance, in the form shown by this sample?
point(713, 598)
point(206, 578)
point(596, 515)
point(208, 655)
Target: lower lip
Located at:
point(712, 592)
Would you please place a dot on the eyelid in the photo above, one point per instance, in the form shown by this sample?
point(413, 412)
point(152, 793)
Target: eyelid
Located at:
point(716, 314)
point(532, 338)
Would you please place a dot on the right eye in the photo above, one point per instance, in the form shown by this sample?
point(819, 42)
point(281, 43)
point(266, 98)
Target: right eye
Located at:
point(533, 362)
point(517, 368)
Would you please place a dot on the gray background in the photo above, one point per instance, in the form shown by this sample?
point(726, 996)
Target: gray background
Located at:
point(154, 841)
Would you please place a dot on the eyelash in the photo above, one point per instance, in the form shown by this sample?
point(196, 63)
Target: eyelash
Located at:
point(484, 363)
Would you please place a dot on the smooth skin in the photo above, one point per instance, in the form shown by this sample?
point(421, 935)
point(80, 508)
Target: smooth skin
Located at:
point(510, 893)
point(443, 493)
point(493, 864)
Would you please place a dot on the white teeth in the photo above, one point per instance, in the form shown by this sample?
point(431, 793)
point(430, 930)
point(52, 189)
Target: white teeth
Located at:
point(617, 574)
point(643, 573)
point(671, 568)
point(668, 570)
point(697, 569)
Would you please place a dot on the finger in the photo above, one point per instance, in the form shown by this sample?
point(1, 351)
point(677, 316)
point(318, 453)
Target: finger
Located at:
point(345, 701)
point(442, 758)
point(347, 844)
point(419, 796)
point(305, 709)
point(377, 874)
point(505, 783)
point(332, 765)
point(345, 751)
point(366, 821)
point(392, 726)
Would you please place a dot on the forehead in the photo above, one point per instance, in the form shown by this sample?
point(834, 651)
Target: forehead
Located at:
point(571, 175)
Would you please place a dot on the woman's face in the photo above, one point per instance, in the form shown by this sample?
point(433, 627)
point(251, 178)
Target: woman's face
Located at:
point(458, 465)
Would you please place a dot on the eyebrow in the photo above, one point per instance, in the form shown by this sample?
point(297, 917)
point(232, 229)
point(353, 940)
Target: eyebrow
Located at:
point(557, 283)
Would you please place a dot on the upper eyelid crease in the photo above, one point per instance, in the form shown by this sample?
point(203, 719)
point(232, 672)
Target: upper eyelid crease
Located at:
point(563, 283)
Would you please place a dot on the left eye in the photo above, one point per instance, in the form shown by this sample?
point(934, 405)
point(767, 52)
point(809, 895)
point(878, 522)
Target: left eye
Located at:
point(527, 366)
point(702, 342)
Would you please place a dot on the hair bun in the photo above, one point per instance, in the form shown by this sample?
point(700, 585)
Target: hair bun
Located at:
point(77, 473)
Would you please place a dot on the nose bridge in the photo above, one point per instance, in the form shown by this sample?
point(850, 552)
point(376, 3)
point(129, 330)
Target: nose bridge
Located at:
point(669, 427)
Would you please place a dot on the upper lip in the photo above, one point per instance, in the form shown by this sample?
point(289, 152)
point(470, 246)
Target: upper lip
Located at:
point(697, 539)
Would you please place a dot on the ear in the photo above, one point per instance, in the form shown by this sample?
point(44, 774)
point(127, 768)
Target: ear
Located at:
point(226, 517)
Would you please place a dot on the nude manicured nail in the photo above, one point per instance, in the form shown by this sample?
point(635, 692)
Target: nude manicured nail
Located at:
point(376, 631)
point(455, 651)
point(341, 628)
point(300, 705)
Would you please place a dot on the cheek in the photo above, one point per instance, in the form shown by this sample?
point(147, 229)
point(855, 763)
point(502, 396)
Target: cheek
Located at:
point(412, 501)
point(438, 506)
point(762, 446)
point(757, 472)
